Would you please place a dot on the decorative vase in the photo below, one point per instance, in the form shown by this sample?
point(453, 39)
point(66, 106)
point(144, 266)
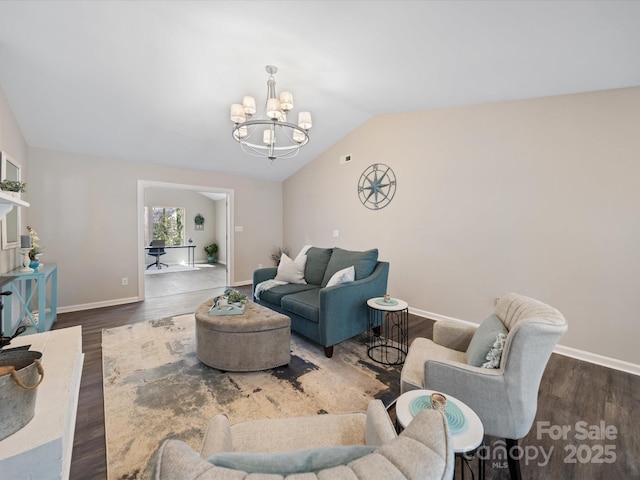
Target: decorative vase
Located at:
point(34, 264)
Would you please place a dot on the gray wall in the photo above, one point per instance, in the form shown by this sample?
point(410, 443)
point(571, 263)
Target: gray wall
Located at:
point(85, 210)
point(13, 143)
point(538, 197)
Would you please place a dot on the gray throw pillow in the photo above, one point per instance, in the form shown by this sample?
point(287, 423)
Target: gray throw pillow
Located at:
point(483, 340)
point(364, 263)
point(317, 261)
point(288, 463)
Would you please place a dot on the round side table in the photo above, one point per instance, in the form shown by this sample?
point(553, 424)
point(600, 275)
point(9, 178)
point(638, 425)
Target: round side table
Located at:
point(388, 337)
point(464, 443)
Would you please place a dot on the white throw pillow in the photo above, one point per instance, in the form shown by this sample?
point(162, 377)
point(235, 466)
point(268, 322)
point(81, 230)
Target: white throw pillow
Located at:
point(291, 271)
point(345, 275)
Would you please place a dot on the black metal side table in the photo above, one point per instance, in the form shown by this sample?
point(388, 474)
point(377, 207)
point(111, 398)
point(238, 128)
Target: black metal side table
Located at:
point(388, 333)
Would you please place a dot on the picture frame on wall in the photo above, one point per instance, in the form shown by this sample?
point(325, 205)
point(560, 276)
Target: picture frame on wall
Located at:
point(10, 170)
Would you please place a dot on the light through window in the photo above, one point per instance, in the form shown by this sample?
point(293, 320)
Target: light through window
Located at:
point(165, 223)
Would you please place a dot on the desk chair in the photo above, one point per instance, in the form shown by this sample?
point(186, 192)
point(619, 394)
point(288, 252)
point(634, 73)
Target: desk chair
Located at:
point(157, 252)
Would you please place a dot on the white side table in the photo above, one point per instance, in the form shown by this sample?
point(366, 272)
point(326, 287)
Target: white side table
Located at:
point(466, 442)
point(388, 337)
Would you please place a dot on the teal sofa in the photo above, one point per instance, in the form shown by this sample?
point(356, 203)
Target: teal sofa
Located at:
point(327, 315)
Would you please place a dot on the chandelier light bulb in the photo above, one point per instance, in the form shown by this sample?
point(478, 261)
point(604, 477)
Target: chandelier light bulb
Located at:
point(242, 132)
point(237, 113)
point(249, 104)
point(286, 101)
point(304, 120)
point(268, 138)
point(298, 136)
point(273, 108)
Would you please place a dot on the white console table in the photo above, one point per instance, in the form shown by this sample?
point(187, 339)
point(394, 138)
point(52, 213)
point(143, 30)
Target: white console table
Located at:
point(42, 448)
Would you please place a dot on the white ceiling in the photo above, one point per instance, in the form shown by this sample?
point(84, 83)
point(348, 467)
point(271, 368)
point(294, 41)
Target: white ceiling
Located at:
point(152, 81)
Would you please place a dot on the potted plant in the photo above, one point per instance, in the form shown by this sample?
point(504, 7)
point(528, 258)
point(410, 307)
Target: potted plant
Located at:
point(277, 253)
point(13, 186)
point(36, 248)
point(211, 250)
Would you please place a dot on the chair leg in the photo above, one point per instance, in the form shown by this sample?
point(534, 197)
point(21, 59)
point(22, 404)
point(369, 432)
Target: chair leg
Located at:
point(514, 462)
point(328, 351)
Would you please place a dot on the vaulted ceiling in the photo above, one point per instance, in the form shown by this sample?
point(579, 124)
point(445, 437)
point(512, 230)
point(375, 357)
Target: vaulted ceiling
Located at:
point(152, 81)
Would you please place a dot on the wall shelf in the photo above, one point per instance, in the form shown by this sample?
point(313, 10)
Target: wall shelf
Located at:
point(7, 202)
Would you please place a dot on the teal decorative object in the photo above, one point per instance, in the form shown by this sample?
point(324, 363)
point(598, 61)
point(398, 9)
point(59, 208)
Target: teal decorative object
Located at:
point(455, 418)
point(377, 186)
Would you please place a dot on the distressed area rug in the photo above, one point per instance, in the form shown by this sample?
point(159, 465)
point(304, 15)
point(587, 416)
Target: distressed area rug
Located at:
point(155, 388)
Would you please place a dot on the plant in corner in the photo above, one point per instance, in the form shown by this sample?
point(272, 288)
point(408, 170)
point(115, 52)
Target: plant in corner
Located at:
point(211, 250)
point(277, 254)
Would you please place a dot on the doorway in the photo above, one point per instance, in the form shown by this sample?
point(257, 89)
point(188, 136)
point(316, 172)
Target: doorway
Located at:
point(185, 268)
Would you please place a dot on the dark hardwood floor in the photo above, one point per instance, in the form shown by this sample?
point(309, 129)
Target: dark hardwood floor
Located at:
point(571, 391)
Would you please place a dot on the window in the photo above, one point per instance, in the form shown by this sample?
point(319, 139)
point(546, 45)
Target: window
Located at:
point(165, 223)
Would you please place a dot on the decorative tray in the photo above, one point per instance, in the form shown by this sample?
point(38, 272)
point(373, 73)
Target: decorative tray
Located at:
point(455, 418)
point(227, 309)
point(390, 303)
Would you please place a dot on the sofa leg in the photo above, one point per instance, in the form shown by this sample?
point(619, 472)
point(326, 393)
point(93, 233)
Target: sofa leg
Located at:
point(376, 330)
point(514, 463)
point(328, 351)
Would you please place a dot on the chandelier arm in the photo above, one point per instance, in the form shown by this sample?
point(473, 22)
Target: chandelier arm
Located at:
point(271, 124)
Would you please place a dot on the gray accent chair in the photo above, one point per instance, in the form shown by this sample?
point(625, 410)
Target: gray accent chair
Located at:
point(423, 451)
point(505, 398)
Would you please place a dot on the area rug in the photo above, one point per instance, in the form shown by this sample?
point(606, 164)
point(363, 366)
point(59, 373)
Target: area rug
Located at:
point(155, 388)
point(170, 269)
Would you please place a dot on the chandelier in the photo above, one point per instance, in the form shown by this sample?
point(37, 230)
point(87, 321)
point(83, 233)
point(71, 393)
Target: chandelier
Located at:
point(270, 135)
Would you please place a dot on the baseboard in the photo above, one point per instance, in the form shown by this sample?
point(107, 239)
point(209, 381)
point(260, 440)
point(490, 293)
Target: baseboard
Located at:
point(89, 306)
point(589, 357)
point(598, 359)
point(242, 283)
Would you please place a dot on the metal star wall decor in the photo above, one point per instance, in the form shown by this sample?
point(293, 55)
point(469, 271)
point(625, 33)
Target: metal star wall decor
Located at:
point(377, 186)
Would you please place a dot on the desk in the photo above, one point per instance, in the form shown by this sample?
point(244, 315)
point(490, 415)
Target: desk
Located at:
point(30, 289)
point(191, 252)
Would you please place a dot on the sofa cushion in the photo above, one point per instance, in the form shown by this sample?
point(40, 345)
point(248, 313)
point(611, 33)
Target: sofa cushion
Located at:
point(345, 275)
point(317, 261)
point(483, 340)
point(364, 263)
point(274, 295)
point(291, 271)
point(287, 463)
point(306, 304)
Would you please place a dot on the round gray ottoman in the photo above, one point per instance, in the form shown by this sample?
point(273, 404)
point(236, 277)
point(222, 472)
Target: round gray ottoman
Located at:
point(259, 339)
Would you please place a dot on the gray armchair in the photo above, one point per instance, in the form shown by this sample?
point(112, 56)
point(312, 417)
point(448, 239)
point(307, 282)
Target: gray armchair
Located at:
point(505, 398)
point(422, 452)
